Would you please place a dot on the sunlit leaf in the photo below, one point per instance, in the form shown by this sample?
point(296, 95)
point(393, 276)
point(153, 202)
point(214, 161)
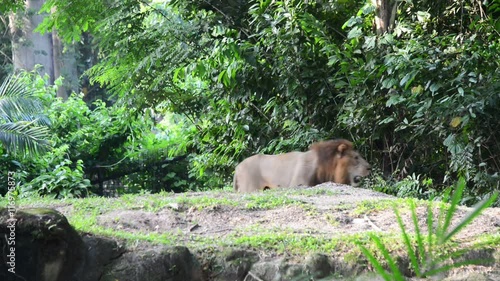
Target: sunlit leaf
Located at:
point(455, 121)
point(356, 32)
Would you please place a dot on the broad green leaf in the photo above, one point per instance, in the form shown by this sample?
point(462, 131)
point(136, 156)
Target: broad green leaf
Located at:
point(434, 87)
point(388, 83)
point(356, 32)
point(394, 100)
point(408, 79)
point(423, 16)
point(386, 120)
point(370, 42)
point(352, 22)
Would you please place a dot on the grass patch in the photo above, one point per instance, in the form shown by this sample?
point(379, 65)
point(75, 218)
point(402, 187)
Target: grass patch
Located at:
point(310, 192)
point(486, 241)
point(150, 202)
point(268, 200)
point(331, 219)
point(89, 203)
point(370, 206)
point(97, 205)
point(302, 244)
point(83, 215)
point(286, 243)
point(35, 201)
point(204, 202)
point(131, 237)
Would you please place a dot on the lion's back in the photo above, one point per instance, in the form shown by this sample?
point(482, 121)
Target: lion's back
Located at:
point(262, 171)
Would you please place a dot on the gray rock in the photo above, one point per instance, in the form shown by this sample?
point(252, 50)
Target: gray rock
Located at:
point(297, 272)
point(266, 270)
point(319, 265)
point(468, 276)
point(158, 263)
point(278, 270)
point(40, 245)
point(234, 265)
point(100, 252)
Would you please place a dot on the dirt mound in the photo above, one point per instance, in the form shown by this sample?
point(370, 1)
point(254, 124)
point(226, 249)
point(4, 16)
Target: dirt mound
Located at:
point(328, 209)
point(283, 232)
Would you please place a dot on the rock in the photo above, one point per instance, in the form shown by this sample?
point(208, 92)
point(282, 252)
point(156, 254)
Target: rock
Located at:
point(366, 277)
point(235, 265)
point(484, 256)
point(41, 246)
point(468, 276)
point(315, 267)
point(277, 270)
point(47, 248)
point(100, 252)
point(266, 270)
point(158, 263)
point(296, 272)
point(319, 265)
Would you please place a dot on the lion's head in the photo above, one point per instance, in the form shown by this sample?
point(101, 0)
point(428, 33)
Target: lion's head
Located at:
point(339, 162)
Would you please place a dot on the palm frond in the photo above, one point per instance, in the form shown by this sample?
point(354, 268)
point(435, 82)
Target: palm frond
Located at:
point(17, 102)
point(23, 127)
point(24, 136)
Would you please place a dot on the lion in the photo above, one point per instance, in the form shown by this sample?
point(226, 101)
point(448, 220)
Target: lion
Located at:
point(333, 160)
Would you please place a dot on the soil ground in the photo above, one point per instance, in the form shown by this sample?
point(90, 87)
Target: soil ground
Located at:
point(329, 209)
point(211, 219)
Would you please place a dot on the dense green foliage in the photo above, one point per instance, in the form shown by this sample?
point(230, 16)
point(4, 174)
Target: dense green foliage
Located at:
point(10, 5)
point(114, 137)
point(429, 103)
point(420, 102)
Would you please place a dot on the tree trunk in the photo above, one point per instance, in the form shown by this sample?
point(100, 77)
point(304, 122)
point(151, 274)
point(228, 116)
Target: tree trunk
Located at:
point(385, 15)
point(30, 48)
point(65, 66)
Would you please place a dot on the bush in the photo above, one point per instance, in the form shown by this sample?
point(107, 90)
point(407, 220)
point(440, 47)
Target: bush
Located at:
point(425, 102)
point(272, 76)
point(83, 137)
point(58, 176)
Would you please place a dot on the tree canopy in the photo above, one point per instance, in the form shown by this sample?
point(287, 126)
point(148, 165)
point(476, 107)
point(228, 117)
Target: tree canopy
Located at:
point(272, 76)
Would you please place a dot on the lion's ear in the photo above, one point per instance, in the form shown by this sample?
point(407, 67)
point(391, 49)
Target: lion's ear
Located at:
point(342, 148)
point(328, 149)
